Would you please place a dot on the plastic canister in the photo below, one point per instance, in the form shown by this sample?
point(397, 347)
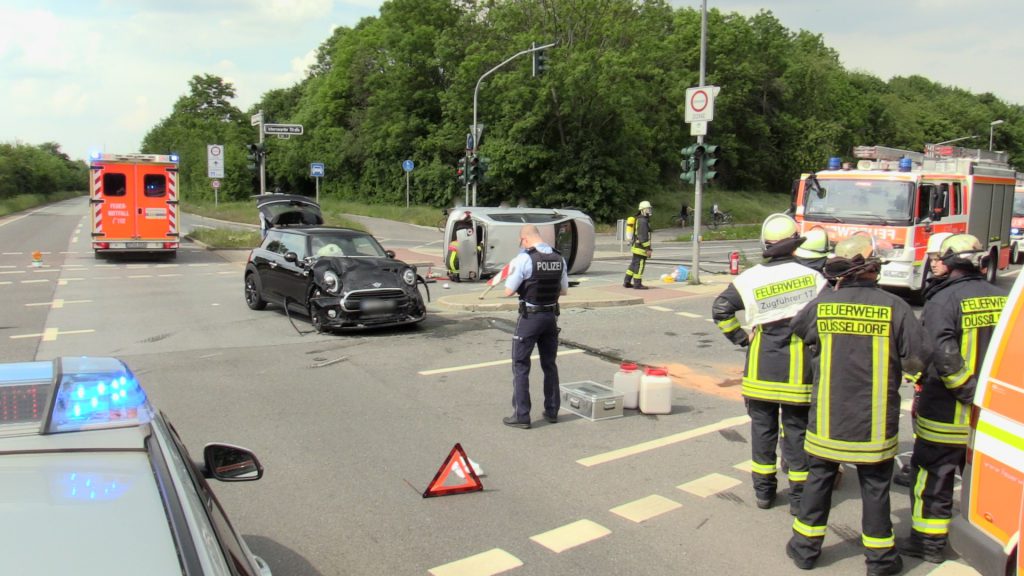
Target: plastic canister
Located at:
point(655, 391)
point(627, 381)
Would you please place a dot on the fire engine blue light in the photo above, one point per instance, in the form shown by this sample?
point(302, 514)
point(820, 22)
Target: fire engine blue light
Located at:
point(95, 155)
point(834, 163)
point(906, 164)
point(174, 157)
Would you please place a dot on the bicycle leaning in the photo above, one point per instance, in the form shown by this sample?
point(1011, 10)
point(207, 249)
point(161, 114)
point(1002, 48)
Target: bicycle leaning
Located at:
point(718, 217)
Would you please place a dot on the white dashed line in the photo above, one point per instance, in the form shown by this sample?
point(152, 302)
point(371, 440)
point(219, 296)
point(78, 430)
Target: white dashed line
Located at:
point(489, 364)
point(659, 308)
point(688, 315)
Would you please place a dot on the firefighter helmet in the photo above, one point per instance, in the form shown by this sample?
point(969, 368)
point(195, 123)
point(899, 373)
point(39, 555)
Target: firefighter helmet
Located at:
point(935, 242)
point(815, 245)
point(963, 251)
point(645, 205)
point(855, 255)
point(777, 227)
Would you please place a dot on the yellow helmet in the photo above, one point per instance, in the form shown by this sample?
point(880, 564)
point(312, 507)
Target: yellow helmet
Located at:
point(777, 227)
point(856, 245)
point(935, 242)
point(815, 245)
point(963, 251)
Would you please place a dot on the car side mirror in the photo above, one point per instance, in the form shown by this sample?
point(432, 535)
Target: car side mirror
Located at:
point(229, 463)
point(390, 253)
point(291, 257)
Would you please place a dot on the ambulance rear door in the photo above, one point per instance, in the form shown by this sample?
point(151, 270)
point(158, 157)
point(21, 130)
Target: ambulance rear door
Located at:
point(113, 206)
point(154, 204)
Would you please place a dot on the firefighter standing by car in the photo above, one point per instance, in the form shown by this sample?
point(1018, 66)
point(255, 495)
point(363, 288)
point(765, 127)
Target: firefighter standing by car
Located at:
point(864, 339)
point(538, 275)
point(640, 247)
point(960, 315)
point(776, 379)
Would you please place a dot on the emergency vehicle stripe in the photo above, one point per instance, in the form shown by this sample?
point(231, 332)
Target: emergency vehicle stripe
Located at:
point(941, 432)
point(1004, 436)
point(824, 385)
point(872, 542)
point(97, 192)
point(808, 530)
point(172, 208)
point(765, 469)
point(729, 325)
point(795, 476)
point(879, 387)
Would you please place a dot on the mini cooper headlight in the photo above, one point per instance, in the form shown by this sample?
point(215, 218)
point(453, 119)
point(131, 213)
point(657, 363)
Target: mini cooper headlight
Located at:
point(409, 276)
point(331, 282)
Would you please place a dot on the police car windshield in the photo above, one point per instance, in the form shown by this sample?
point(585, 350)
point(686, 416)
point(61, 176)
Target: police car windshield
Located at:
point(864, 199)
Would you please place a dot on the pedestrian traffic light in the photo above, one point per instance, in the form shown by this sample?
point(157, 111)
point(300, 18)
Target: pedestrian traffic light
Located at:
point(709, 161)
point(689, 164)
point(540, 61)
point(460, 172)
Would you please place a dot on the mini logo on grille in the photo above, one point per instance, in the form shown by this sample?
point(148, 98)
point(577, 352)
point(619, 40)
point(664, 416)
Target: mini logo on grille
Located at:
point(376, 284)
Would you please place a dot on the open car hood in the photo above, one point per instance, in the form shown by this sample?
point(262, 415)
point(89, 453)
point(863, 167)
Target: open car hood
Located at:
point(288, 210)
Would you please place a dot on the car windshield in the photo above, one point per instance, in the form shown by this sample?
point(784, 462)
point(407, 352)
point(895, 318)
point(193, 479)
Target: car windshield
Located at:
point(859, 199)
point(1018, 204)
point(346, 244)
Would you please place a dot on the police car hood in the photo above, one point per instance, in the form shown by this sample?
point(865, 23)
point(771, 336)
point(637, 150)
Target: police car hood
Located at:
point(361, 273)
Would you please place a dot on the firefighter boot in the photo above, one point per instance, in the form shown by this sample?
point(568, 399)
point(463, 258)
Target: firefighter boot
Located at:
point(886, 569)
point(628, 282)
point(926, 548)
point(639, 284)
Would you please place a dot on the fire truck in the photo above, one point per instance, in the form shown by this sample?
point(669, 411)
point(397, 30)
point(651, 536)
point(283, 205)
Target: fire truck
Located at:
point(901, 198)
point(134, 201)
point(1017, 224)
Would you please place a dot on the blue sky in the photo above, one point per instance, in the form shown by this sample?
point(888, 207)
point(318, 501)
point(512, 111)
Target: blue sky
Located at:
point(96, 75)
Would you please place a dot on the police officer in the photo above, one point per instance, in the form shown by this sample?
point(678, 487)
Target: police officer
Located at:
point(640, 247)
point(776, 380)
point(863, 339)
point(538, 275)
point(960, 315)
point(813, 252)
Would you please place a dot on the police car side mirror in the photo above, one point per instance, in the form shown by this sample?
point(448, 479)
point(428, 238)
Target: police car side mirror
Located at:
point(229, 463)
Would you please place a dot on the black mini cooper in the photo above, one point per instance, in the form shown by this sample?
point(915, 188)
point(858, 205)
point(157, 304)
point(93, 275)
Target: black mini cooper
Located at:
point(341, 278)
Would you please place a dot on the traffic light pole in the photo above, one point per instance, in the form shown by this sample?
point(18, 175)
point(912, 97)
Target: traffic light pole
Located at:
point(476, 92)
point(698, 186)
point(262, 159)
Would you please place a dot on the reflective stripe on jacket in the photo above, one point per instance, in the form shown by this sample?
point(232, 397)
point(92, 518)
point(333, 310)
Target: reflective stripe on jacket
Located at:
point(864, 339)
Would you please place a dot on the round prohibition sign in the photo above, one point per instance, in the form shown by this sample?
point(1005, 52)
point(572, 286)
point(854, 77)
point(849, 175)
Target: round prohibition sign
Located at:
point(699, 101)
point(215, 150)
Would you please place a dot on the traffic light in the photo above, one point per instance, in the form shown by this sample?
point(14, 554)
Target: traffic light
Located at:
point(460, 172)
point(474, 168)
point(540, 61)
point(709, 161)
point(689, 164)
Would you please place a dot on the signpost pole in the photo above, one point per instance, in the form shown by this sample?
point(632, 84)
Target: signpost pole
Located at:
point(262, 160)
point(318, 190)
point(406, 189)
point(698, 188)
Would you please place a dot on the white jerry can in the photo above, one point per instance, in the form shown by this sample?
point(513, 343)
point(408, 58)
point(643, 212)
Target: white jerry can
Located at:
point(468, 263)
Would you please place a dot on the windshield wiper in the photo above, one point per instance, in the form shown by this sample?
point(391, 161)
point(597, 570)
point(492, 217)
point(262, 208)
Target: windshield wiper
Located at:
point(823, 217)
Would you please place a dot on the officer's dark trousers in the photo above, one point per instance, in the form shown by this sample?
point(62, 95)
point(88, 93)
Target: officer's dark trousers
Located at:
point(931, 496)
point(636, 267)
point(764, 432)
point(876, 525)
point(540, 329)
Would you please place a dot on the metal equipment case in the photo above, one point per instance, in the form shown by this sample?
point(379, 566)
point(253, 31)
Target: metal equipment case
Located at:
point(591, 400)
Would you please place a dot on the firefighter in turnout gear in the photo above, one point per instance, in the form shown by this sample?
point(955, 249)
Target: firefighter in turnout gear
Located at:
point(640, 247)
point(863, 339)
point(960, 316)
point(776, 379)
point(814, 251)
point(538, 275)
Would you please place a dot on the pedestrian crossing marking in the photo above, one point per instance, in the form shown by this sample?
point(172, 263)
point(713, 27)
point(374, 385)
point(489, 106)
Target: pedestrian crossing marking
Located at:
point(494, 561)
point(646, 508)
point(709, 485)
point(571, 535)
point(951, 568)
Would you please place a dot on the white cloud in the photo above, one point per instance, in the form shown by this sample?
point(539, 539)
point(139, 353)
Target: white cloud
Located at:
point(69, 100)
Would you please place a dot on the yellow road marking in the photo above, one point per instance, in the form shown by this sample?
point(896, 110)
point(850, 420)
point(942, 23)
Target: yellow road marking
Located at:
point(494, 561)
point(646, 508)
point(662, 442)
point(710, 485)
point(489, 364)
point(571, 535)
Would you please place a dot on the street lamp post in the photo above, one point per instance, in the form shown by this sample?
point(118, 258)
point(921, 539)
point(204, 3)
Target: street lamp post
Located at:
point(991, 132)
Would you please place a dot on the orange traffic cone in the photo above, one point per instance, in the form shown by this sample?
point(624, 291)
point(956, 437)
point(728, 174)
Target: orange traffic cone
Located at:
point(37, 258)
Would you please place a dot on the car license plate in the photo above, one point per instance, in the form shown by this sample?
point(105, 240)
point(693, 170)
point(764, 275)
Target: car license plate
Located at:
point(377, 305)
point(136, 245)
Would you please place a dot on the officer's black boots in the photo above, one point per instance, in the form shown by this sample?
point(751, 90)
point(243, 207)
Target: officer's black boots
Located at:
point(887, 569)
point(628, 282)
point(639, 284)
point(927, 549)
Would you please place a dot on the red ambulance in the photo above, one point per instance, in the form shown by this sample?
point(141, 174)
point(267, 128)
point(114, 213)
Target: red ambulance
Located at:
point(134, 201)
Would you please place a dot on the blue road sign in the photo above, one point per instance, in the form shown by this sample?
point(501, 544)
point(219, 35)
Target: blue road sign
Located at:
point(316, 170)
point(407, 165)
point(469, 141)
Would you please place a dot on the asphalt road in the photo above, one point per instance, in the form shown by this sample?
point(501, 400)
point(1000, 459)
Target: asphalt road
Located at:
point(352, 428)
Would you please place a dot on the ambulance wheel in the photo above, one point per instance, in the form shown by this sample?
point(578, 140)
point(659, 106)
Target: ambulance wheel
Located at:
point(253, 297)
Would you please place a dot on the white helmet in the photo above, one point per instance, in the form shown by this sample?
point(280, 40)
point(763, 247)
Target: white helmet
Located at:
point(815, 246)
point(935, 242)
point(645, 205)
point(777, 227)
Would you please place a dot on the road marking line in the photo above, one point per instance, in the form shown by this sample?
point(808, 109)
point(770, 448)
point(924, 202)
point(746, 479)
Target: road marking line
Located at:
point(12, 272)
point(907, 404)
point(46, 271)
point(662, 442)
point(745, 466)
point(709, 320)
point(168, 275)
point(11, 266)
point(58, 303)
point(659, 308)
point(227, 272)
point(5, 283)
point(136, 276)
point(646, 508)
point(11, 253)
point(51, 334)
point(494, 561)
point(197, 265)
point(709, 485)
point(35, 281)
point(64, 281)
point(688, 314)
point(571, 535)
point(490, 364)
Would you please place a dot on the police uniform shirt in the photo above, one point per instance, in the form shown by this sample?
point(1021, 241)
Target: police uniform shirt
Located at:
point(521, 268)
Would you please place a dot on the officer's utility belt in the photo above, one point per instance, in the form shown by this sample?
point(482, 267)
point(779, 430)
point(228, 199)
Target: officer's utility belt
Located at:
point(526, 309)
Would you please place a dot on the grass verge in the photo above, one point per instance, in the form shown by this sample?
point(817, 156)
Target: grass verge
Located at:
point(26, 201)
point(226, 239)
point(738, 232)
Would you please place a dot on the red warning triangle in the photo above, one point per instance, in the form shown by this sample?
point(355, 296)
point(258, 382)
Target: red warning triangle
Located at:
point(464, 481)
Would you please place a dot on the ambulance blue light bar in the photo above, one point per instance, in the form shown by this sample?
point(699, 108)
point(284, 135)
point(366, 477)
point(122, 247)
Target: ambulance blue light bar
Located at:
point(70, 395)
